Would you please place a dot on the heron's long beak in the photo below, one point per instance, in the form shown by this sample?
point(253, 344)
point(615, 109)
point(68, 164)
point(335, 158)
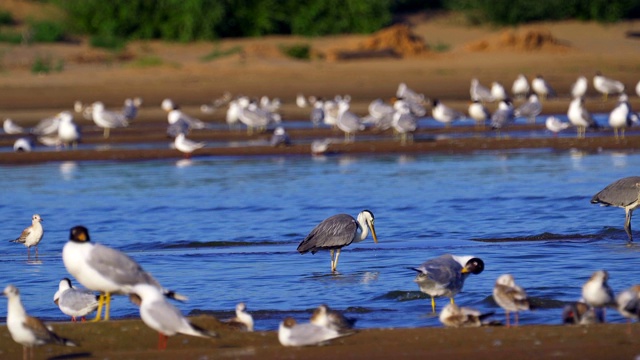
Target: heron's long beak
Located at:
point(373, 232)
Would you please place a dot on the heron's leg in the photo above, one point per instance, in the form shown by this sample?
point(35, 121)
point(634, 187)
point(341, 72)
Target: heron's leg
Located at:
point(99, 311)
point(332, 266)
point(335, 262)
point(433, 304)
point(108, 305)
point(627, 224)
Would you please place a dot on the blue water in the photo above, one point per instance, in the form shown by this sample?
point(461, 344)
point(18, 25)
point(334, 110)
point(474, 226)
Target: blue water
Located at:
point(225, 230)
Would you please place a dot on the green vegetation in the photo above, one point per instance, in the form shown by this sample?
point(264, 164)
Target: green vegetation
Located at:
point(440, 47)
point(45, 65)
point(108, 41)
point(299, 51)
point(10, 37)
point(217, 53)
point(6, 18)
point(46, 31)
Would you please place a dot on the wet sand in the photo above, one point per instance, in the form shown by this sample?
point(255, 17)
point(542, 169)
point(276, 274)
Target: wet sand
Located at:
point(132, 339)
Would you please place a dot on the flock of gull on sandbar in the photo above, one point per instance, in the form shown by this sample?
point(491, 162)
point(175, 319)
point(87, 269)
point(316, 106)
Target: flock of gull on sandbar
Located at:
point(102, 269)
point(400, 114)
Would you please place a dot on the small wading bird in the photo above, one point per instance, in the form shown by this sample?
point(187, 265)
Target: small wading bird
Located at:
point(26, 330)
point(243, 320)
point(332, 319)
point(445, 275)
point(629, 304)
point(453, 316)
point(510, 296)
point(101, 268)
point(336, 232)
point(291, 333)
point(75, 302)
point(606, 86)
point(623, 193)
point(32, 235)
point(597, 293)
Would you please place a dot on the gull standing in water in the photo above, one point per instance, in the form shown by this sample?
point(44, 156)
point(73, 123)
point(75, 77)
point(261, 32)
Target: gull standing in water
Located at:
point(186, 146)
point(510, 296)
point(445, 275)
point(579, 88)
point(348, 122)
point(101, 268)
point(404, 122)
point(555, 125)
point(542, 88)
point(332, 319)
point(291, 333)
point(74, 302)
point(107, 119)
point(596, 292)
point(163, 317)
point(26, 330)
point(529, 109)
point(621, 117)
point(317, 113)
point(453, 316)
point(479, 113)
point(623, 193)
point(580, 117)
point(607, 86)
point(32, 235)
point(520, 86)
point(336, 232)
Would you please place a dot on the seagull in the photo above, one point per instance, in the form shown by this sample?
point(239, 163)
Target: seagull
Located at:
point(301, 101)
point(336, 232)
point(510, 296)
point(502, 116)
point(580, 117)
point(555, 125)
point(498, 93)
point(607, 86)
point(480, 92)
point(348, 122)
point(130, 108)
point(596, 292)
point(542, 88)
point(320, 147)
point(253, 116)
point(233, 113)
point(47, 126)
point(317, 113)
point(162, 316)
point(26, 330)
point(74, 302)
point(332, 319)
point(529, 109)
point(292, 334)
point(520, 86)
point(280, 137)
point(579, 88)
point(32, 235)
point(453, 316)
point(68, 131)
point(11, 127)
point(622, 117)
point(23, 144)
point(107, 119)
point(628, 302)
point(415, 99)
point(185, 145)
point(101, 268)
point(403, 121)
point(381, 114)
point(444, 114)
point(176, 115)
point(243, 320)
point(579, 313)
point(445, 275)
point(479, 113)
point(330, 108)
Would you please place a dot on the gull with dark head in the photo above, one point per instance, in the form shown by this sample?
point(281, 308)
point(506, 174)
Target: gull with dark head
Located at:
point(26, 330)
point(101, 268)
point(579, 313)
point(445, 275)
point(336, 232)
point(503, 116)
point(32, 235)
point(445, 114)
point(510, 296)
point(75, 302)
point(290, 333)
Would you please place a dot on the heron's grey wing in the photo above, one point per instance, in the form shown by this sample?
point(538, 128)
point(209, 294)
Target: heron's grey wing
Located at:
point(334, 232)
point(444, 270)
point(118, 267)
point(621, 193)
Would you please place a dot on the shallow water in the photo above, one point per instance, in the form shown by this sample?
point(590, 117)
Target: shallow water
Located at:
point(224, 230)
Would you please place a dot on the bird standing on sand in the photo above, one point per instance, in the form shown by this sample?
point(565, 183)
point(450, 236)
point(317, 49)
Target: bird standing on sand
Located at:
point(163, 317)
point(503, 116)
point(26, 330)
point(623, 193)
point(621, 117)
point(336, 232)
point(579, 313)
point(555, 125)
point(453, 316)
point(107, 119)
point(628, 302)
point(291, 333)
point(68, 130)
point(510, 296)
point(186, 146)
point(607, 86)
point(480, 92)
point(74, 302)
point(348, 122)
point(32, 235)
point(11, 127)
point(445, 275)
point(498, 93)
point(580, 117)
point(596, 292)
point(444, 114)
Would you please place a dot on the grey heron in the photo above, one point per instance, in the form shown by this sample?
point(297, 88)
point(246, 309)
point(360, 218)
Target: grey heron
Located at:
point(623, 193)
point(606, 86)
point(510, 296)
point(336, 232)
point(445, 275)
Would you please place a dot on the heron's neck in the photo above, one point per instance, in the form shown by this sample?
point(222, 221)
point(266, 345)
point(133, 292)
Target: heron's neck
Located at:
point(363, 231)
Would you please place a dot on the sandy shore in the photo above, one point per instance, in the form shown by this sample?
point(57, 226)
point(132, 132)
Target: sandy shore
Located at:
point(132, 339)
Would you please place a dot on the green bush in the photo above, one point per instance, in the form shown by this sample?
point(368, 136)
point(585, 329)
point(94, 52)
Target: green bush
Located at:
point(323, 17)
point(109, 42)
point(10, 37)
point(299, 51)
point(46, 31)
point(45, 65)
point(217, 53)
point(6, 18)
